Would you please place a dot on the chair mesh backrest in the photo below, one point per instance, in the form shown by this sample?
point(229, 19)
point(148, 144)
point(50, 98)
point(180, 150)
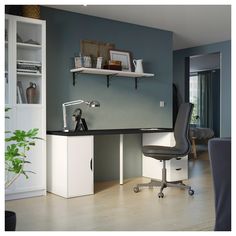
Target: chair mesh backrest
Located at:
point(182, 127)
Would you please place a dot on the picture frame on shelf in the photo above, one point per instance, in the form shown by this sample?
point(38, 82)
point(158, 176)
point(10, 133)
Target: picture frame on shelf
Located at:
point(123, 56)
point(78, 62)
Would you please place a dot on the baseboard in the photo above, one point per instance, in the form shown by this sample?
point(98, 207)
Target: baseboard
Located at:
point(35, 193)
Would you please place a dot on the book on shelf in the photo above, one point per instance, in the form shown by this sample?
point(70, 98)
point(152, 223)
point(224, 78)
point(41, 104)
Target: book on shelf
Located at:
point(24, 62)
point(29, 66)
point(20, 90)
point(19, 99)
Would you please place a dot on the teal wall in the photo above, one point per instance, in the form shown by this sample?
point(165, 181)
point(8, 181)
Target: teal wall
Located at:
point(106, 160)
point(224, 48)
point(121, 105)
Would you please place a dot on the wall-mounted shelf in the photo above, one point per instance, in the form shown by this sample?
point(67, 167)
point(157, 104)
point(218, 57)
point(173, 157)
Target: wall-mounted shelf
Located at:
point(109, 73)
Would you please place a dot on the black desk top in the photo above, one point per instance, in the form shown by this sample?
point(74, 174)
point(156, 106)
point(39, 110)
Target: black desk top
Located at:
point(110, 131)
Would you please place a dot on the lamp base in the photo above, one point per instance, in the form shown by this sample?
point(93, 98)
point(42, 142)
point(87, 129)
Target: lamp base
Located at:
point(66, 130)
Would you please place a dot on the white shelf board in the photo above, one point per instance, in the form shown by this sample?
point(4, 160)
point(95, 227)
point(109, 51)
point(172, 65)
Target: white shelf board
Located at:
point(29, 74)
point(84, 70)
point(28, 45)
point(29, 105)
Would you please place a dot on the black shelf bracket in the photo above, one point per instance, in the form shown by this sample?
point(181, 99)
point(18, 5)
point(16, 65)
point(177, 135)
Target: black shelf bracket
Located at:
point(136, 82)
point(74, 78)
point(74, 74)
point(108, 81)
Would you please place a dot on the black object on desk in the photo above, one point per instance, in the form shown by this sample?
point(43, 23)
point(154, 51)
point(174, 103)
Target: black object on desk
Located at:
point(80, 122)
point(84, 125)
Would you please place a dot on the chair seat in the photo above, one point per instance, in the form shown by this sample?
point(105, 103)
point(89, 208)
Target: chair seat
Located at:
point(162, 152)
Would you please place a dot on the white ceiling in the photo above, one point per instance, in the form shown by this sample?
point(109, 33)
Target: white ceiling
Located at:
point(193, 25)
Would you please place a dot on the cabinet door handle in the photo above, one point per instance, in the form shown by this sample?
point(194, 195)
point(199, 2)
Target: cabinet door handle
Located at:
point(91, 164)
point(178, 158)
point(178, 169)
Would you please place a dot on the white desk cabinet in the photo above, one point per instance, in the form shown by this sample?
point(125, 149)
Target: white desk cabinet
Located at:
point(70, 165)
point(177, 169)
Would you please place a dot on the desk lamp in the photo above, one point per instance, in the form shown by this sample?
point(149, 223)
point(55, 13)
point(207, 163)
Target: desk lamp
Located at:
point(92, 103)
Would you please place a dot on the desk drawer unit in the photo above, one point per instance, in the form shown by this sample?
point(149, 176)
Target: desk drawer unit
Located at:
point(177, 168)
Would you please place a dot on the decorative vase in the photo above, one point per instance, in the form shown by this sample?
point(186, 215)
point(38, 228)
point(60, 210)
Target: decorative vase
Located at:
point(138, 64)
point(10, 221)
point(31, 93)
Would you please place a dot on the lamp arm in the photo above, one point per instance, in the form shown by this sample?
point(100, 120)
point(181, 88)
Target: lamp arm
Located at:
point(76, 102)
point(64, 117)
point(64, 105)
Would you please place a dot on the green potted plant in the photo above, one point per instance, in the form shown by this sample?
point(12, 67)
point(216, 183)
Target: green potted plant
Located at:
point(18, 143)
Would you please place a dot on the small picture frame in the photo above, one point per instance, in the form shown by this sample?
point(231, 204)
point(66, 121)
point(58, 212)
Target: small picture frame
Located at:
point(78, 62)
point(99, 62)
point(123, 56)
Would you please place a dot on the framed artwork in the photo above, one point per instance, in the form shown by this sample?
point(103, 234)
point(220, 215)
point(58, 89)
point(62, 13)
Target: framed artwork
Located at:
point(96, 49)
point(123, 56)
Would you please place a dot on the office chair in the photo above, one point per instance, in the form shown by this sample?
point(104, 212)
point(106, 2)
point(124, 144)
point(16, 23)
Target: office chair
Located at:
point(163, 153)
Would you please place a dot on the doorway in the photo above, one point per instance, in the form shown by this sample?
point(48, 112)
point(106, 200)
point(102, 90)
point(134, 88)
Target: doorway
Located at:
point(203, 90)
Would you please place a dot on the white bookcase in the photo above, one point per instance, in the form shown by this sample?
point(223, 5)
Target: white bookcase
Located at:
point(25, 40)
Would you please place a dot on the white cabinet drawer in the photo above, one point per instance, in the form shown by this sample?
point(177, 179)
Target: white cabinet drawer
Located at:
point(177, 174)
point(179, 169)
point(177, 163)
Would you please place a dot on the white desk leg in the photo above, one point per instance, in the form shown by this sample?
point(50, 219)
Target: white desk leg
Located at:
point(121, 159)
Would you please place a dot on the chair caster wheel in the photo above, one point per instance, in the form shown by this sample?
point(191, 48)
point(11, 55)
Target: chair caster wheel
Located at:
point(190, 192)
point(160, 195)
point(136, 189)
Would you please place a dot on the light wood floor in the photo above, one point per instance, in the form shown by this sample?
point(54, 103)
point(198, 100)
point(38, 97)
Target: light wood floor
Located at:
point(118, 208)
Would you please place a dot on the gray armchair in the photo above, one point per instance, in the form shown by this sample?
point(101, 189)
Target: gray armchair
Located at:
point(220, 158)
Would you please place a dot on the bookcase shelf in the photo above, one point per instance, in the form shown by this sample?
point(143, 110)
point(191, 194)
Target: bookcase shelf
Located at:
point(28, 46)
point(29, 74)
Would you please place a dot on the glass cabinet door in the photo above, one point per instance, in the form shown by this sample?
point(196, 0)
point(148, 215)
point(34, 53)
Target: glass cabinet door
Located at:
point(6, 62)
point(28, 63)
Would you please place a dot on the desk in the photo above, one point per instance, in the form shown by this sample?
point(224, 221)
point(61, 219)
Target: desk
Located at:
point(68, 140)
